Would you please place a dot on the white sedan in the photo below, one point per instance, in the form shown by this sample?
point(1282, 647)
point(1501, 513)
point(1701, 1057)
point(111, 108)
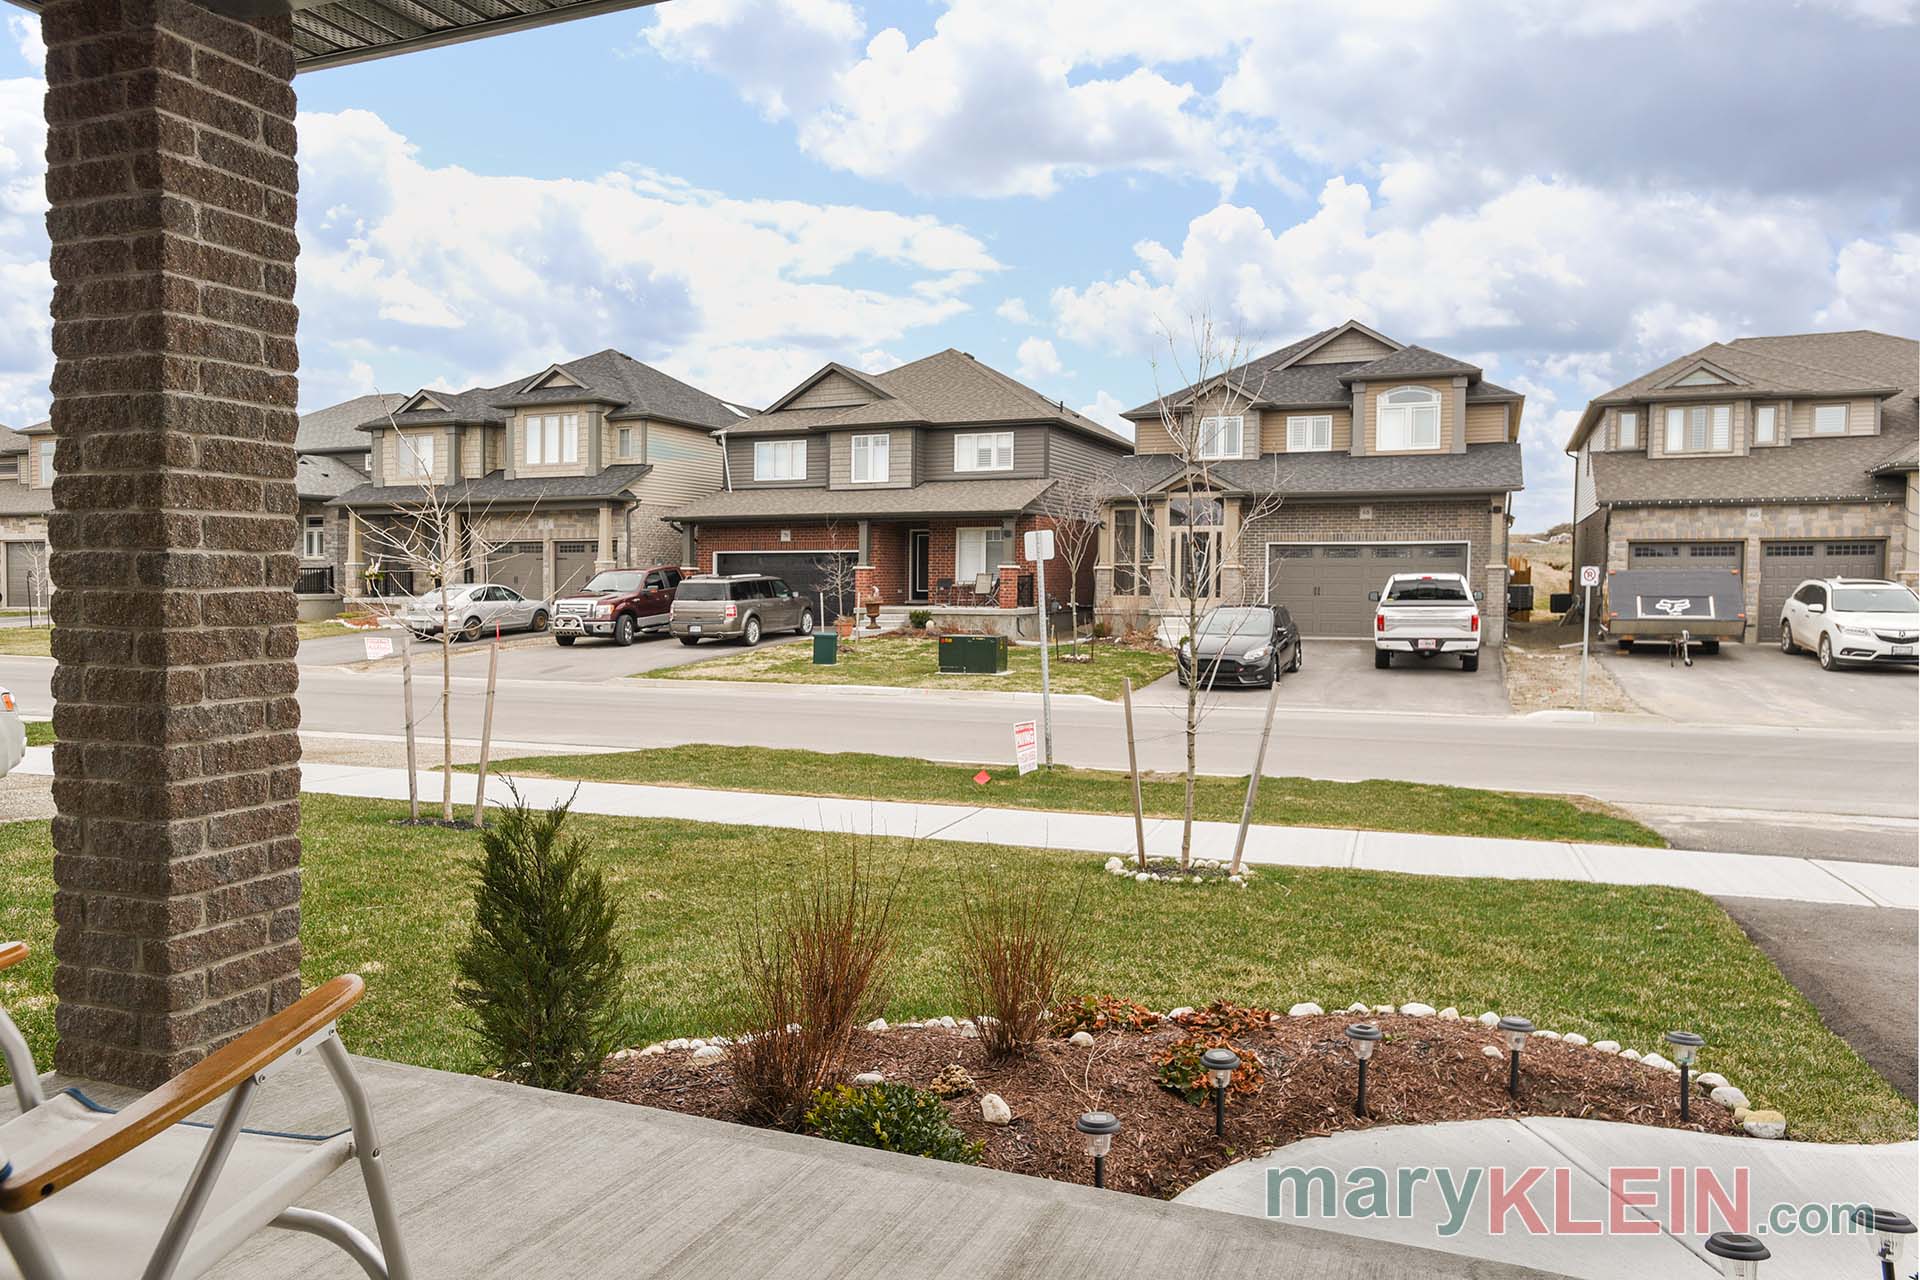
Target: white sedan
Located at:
point(474, 610)
point(13, 734)
point(1852, 620)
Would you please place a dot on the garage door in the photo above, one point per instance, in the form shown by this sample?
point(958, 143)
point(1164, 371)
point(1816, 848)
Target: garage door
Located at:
point(807, 572)
point(517, 565)
point(1687, 555)
point(572, 566)
point(1785, 565)
point(1325, 585)
point(21, 569)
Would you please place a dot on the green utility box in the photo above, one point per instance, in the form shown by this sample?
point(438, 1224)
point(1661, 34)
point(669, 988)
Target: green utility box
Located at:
point(973, 655)
point(826, 649)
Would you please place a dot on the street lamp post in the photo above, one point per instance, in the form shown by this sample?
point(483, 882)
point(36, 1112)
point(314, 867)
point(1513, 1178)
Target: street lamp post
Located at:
point(1362, 1036)
point(1220, 1065)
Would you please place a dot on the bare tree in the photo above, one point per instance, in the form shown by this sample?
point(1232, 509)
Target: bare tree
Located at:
point(1072, 507)
point(1204, 416)
point(37, 582)
point(838, 580)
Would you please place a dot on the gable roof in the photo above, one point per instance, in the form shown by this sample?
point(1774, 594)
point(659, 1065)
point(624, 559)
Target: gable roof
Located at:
point(1278, 380)
point(1836, 469)
point(12, 441)
point(947, 388)
point(336, 428)
point(826, 370)
point(1859, 362)
point(612, 378)
point(1483, 468)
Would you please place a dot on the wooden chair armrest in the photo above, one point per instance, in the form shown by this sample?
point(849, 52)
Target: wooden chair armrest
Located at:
point(207, 1080)
point(12, 953)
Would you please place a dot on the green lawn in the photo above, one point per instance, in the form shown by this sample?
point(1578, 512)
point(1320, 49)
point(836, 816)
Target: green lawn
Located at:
point(27, 642)
point(39, 733)
point(1376, 805)
point(912, 662)
point(1626, 963)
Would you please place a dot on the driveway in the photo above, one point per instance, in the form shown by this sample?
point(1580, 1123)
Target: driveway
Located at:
point(1757, 684)
point(1339, 675)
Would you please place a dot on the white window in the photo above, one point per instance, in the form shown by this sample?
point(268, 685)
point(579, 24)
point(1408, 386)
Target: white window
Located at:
point(780, 460)
point(552, 439)
point(1219, 438)
point(623, 442)
point(870, 459)
point(1312, 434)
point(1829, 419)
point(46, 463)
point(1700, 428)
point(1629, 429)
point(1408, 418)
point(416, 455)
point(978, 551)
point(985, 451)
point(313, 539)
point(1765, 418)
point(1676, 430)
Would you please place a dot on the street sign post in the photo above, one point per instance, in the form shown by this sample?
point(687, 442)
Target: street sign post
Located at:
point(1039, 549)
point(1589, 579)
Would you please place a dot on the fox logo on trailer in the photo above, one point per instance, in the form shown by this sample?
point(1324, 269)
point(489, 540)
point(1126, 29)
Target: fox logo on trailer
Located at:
point(1674, 608)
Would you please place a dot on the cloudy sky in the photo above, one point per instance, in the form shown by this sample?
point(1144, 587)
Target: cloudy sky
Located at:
point(738, 190)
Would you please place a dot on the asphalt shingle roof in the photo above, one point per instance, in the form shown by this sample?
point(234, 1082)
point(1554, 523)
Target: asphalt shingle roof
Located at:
point(495, 487)
point(17, 499)
point(336, 428)
point(1411, 362)
point(1483, 468)
point(938, 498)
point(326, 475)
point(1807, 470)
point(610, 377)
point(948, 388)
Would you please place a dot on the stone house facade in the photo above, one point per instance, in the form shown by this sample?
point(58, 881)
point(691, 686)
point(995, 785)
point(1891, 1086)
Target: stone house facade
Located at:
point(1782, 458)
point(543, 481)
point(26, 498)
point(914, 487)
point(1305, 478)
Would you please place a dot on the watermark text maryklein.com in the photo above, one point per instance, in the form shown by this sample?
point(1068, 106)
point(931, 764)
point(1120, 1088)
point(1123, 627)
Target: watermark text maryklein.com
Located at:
point(1539, 1200)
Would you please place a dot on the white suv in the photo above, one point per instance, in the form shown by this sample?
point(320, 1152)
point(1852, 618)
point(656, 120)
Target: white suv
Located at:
point(1847, 620)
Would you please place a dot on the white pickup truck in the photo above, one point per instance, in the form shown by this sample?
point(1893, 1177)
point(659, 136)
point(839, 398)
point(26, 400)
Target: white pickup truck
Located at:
point(1426, 614)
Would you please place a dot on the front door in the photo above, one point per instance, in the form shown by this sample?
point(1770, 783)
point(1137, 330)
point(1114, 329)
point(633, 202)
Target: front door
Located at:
point(919, 556)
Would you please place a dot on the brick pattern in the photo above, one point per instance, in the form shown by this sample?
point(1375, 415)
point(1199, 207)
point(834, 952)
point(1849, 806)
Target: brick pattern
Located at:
point(172, 181)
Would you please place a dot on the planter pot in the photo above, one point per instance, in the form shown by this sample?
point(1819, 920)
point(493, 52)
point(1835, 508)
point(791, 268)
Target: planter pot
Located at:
point(844, 626)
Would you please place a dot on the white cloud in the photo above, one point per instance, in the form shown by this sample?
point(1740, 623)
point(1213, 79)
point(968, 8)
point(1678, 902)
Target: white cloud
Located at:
point(1037, 360)
point(1014, 311)
point(26, 284)
point(740, 296)
point(783, 54)
point(1105, 410)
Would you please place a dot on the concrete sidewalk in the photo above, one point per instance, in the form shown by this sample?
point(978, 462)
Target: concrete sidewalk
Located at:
point(1582, 1152)
point(1738, 874)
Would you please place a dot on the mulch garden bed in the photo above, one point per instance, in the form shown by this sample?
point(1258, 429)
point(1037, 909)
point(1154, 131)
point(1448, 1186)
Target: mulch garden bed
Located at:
point(1425, 1070)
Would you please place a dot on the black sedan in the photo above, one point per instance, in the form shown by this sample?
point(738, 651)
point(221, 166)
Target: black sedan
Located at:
point(1243, 646)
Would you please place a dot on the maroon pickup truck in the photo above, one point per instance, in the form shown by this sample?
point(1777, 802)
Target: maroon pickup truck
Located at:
point(618, 604)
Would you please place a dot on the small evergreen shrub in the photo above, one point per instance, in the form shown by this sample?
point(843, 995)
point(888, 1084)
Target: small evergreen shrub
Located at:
point(539, 975)
point(1101, 631)
point(919, 618)
point(891, 1117)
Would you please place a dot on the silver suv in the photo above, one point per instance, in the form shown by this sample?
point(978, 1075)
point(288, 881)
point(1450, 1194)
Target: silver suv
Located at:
point(741, 607)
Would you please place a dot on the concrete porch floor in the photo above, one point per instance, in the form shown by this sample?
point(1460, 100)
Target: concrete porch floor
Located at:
point(494, 1180)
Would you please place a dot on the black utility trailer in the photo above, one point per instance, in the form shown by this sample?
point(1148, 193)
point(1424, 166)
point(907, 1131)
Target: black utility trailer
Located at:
point(1675, 607)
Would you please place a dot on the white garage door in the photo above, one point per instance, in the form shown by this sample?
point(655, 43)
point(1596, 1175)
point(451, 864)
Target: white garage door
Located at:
point(1325, 585)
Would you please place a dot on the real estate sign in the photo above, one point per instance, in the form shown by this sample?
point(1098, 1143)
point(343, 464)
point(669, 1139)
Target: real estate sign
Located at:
point(379, 647)
point(1026, 745)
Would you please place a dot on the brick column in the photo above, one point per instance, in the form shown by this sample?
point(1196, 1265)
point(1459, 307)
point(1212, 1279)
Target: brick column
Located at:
point(1009, 587)
point(171, 177)
point(863, 584)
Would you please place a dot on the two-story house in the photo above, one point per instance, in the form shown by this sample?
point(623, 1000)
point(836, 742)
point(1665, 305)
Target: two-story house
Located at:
point(26, 496)
point(332, 457)
point(1785, 458)
point(545, 480)
point(1321, 468)
point(916, 483)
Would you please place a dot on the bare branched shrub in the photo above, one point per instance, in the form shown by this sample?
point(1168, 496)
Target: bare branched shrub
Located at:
point(1017, 939)
point(813, 968)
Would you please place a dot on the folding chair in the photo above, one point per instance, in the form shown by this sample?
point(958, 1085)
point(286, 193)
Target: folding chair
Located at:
point(89, 1193)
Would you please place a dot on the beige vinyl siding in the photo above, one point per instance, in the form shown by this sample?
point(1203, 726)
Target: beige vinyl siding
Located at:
point(1487, 423)
point(900, 462)
point(1071, 454)
point(610, 441)
point(685, 460)
point(30, 469)
point(586, 415)
point(1861, 419)
point(1347, 348)
point(835, 389)
point(397, 468)
point(473, 451)
point(1441, 387)
point(740, 462)
point(1273, 428)
point(1029, 454)
point(1151, 436)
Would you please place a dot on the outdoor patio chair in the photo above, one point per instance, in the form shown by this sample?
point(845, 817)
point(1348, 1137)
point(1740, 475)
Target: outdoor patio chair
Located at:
point(984, 585)
point(90, 1193)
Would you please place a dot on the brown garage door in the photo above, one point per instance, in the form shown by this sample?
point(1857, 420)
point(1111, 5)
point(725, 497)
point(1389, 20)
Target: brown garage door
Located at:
point(572, 566)
point(1784, 565)
point(23, 569)
point(1687, 555)
point(517, 565)
point(1325, 585)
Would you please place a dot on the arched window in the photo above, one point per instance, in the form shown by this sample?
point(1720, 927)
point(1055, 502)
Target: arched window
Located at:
point(1408, 418)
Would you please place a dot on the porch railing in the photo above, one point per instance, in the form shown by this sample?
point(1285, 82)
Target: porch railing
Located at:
point(314, 580)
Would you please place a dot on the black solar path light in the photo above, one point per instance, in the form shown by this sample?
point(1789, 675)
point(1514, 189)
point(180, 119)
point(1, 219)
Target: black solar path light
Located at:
point(1362, 1036)
point(1515, 1031)
point(1890, 1232)
point(1686, 1048)
point(1740, 1255)
point(1220, 1065)
point(1097, 1129)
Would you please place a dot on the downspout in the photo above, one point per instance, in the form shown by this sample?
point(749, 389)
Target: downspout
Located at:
point(726, 462)
point(626, 534)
